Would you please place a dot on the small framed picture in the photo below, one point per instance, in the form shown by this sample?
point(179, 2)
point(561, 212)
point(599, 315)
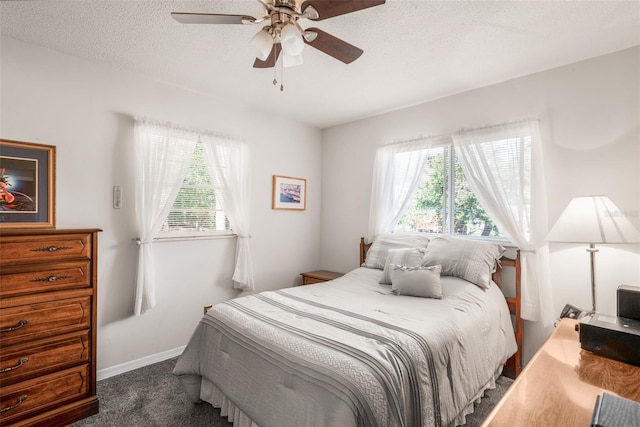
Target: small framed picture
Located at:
point(289, 193)
point(27, 184)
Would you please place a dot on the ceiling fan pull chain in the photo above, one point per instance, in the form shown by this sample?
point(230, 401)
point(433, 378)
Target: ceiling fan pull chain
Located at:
point(275, 71)
point(282, 75)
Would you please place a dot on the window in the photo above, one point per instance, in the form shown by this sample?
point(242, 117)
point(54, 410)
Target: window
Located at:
point(199, 206)
point(181, 176)
point(445, 203)
point(503, 163)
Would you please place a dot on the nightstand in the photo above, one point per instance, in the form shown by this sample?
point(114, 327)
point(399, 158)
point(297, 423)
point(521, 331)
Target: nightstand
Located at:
point(560, 384)
point(318, 276)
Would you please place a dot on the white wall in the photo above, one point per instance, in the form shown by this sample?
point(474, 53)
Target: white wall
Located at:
point(590, 119)
point(589, 112)
point(86, 110)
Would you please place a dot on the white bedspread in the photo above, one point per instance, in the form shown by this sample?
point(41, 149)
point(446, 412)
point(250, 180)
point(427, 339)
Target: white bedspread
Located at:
point(349, 353)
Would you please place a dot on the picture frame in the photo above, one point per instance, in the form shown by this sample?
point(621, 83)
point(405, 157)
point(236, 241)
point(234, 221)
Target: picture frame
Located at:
point(27, 184)
point(289, 193)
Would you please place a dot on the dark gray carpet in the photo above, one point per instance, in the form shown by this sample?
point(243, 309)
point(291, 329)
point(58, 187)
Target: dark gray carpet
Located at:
point(153, 397)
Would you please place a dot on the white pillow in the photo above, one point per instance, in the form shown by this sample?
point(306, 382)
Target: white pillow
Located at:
point(470, 260)
point(410, 257)
point(416, 281)
point(377, 254)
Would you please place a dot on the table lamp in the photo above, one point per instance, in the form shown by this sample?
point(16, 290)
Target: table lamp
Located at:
point(593, 219)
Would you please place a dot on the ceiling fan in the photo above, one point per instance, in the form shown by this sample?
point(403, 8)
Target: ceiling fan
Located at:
point(283, 33)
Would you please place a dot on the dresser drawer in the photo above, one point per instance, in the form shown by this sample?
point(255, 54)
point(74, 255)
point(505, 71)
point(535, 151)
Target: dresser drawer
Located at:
point(40, 320)
point(48, 248)
point(46, 277)
point(23, 361)
point(26, 398)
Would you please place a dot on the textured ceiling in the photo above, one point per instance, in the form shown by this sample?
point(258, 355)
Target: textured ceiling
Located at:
point(414, 51)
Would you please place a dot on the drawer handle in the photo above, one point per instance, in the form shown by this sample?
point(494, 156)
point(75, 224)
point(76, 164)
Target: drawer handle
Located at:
point(51, 248)
point(19, 402)
point(13, 328)
point(12, 368)
point(51, 278)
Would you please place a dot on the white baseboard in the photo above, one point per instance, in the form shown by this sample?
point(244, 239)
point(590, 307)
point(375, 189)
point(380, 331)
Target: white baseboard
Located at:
point(103, 374)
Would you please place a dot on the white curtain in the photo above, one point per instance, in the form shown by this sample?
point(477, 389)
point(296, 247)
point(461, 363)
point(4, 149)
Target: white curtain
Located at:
point(162, 158)
point(397, 172)
point(228, 164)
point(504, 167)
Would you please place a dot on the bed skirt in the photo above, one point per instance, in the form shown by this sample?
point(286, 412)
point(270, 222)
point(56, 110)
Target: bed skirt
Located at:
point(212, 394)
point(461, 419)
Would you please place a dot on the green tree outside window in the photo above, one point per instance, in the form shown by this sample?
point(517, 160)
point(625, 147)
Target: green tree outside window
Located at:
point(444, 202)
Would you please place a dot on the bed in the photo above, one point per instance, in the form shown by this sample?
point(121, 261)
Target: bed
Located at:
point(366, 349)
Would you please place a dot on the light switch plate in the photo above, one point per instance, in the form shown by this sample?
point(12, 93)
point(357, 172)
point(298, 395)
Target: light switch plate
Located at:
point(117, 197)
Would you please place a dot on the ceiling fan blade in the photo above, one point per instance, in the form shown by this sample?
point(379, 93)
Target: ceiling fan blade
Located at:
point(330, 8)
point(271, 59)
point(211, 18)
point(333, 46)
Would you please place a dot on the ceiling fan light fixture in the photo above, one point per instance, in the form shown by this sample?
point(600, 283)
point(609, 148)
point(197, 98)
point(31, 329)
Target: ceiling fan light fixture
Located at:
point(309, 36)
point(291, 40)
point(310, 13)
point(262, 43)
point(291, 61)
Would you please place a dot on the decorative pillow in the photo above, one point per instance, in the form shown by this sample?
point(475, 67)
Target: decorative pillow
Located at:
point(411, 257)
point(377, 254)
point(470, 260)
point(416, 281)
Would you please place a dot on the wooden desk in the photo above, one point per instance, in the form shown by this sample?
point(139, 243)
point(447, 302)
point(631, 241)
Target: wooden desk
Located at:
point(560, 384)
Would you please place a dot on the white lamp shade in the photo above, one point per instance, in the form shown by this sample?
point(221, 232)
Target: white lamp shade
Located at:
point(291, 61)
point(262, 43)
point(291, 40)
point(593, 219)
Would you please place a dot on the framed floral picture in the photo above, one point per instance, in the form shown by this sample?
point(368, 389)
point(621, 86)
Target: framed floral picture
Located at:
point(289, 193)
point(27, 184)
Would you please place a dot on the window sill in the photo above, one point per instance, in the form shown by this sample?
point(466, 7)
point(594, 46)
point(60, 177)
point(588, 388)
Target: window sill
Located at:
point(504, 241)
point(182, 238)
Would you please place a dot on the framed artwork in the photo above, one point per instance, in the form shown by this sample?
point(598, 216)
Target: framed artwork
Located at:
point(27, 184)
point(289, 193)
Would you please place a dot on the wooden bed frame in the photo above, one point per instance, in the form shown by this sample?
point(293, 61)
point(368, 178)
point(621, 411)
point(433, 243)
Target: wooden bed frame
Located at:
point(513, 366)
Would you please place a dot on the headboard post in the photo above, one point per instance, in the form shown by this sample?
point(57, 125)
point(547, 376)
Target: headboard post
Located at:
point(514, 364)
point(364, 247)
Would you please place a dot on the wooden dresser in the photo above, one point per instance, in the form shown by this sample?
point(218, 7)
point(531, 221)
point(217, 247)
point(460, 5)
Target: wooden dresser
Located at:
point(48, 310)
point(560, 384)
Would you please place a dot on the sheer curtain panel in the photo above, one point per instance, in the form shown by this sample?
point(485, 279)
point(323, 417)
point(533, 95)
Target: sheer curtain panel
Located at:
point(503, 165)
point(228, 164)
point(396, 175)
point(162, 158)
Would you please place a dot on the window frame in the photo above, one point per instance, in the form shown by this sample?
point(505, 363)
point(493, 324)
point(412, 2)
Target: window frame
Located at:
point(195, 234)
point(448, 222)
